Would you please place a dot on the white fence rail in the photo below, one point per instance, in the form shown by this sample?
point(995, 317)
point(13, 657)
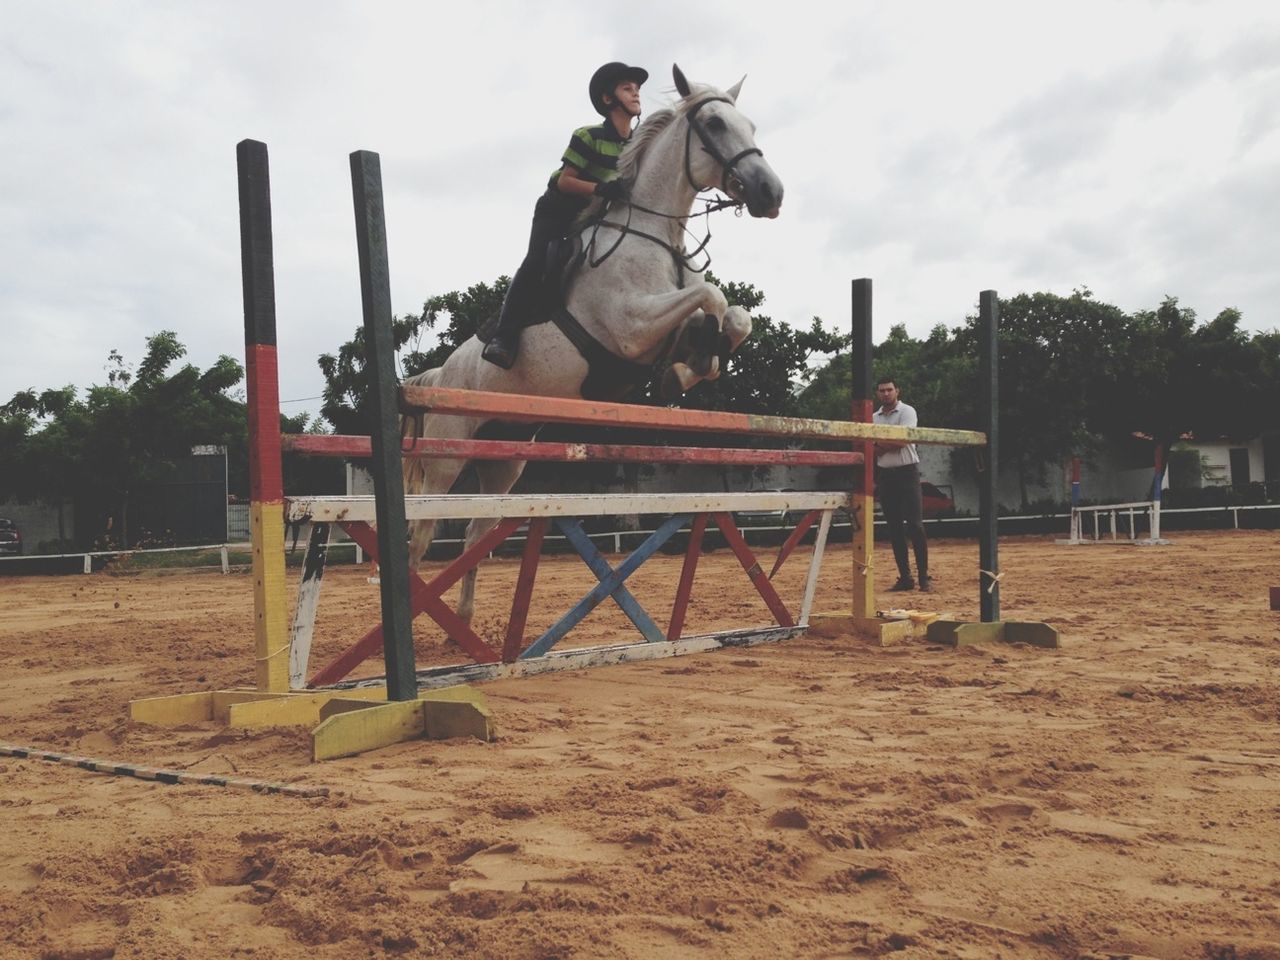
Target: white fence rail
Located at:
point(614, 538)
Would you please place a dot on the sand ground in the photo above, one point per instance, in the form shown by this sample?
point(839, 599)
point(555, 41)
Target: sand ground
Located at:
point(1119, 797)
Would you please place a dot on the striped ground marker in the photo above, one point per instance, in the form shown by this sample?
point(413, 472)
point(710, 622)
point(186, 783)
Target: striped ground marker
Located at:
point(160, 775)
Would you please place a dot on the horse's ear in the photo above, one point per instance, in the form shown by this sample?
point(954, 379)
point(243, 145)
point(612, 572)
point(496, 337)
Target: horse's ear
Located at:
point(682, 85)
point(736, 89)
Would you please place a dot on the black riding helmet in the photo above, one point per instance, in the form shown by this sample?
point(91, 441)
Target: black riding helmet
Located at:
point(606, 80)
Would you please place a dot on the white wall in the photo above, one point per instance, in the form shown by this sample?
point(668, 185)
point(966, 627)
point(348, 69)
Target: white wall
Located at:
point(1216, 457)
point(38, 521)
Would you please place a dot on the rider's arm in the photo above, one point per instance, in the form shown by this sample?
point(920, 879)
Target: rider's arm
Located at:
point(571, 182)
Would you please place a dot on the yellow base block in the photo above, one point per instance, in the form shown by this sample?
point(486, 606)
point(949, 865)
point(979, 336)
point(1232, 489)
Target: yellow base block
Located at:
point(295, 710)
point(174, 710)
point(960, 634)
point(350, 726)
point(881, 631)
point(350, 721)
point(457, 712)
point(353, 727)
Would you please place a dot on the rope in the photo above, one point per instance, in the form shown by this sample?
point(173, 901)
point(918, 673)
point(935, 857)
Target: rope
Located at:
point(995, 579)
point(160, 775)
point(271, 656)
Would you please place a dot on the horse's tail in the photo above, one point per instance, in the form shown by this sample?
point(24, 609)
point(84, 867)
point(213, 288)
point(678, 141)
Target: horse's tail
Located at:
point(414, 468)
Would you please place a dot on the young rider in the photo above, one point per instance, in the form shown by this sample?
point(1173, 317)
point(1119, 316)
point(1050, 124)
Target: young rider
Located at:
point(588, 168)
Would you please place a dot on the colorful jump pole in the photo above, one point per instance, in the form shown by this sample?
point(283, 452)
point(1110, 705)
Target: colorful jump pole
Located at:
point(266, 486)
point(862, 503)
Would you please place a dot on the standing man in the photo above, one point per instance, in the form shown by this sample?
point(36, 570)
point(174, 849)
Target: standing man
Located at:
point(588, 167)
point(898, 483)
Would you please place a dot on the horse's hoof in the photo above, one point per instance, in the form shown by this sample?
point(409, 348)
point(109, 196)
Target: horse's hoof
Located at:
point(669, 387)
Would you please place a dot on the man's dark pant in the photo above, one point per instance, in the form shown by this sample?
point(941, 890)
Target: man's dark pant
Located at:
point(899, 489)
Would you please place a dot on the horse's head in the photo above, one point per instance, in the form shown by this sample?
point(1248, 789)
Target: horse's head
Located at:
point(725, 154)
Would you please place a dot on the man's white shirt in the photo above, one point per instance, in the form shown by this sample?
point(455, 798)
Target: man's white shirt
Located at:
point(902, 415)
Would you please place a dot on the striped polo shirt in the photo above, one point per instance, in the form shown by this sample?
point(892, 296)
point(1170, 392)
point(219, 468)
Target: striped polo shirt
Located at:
point(593, 153)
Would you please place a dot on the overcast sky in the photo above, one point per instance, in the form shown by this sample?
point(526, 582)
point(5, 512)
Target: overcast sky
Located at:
point(939, 148)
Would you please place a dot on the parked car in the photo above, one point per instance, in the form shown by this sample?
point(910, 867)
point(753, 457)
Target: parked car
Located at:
point(779, 517)
point(10, 538)
point(935, 501)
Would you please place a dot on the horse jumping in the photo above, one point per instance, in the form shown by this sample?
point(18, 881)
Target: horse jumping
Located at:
point(636, 294)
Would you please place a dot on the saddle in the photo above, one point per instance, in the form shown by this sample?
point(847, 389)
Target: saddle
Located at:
point(609, 377)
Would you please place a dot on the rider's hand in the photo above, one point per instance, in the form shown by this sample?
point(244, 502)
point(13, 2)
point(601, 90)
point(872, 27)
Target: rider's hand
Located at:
point(612, 190)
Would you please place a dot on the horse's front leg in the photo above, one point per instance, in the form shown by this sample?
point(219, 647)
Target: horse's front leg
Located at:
point(702, 348)
point(645, 321)
point(736, 329)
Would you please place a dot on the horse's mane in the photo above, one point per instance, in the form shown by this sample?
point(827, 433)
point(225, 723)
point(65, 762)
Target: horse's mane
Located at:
point(633, 153)
point(638, 145)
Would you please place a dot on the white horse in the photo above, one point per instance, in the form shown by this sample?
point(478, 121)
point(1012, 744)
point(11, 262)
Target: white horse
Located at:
point(635, 294)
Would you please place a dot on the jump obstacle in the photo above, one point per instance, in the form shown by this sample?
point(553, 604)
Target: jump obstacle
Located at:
point(356, 714)
point(1149, 508)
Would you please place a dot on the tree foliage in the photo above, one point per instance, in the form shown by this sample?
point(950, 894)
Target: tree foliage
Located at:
point(1076, 372)
point(118, 436)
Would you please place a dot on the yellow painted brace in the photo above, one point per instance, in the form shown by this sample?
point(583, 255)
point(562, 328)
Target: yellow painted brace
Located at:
point(271, 638)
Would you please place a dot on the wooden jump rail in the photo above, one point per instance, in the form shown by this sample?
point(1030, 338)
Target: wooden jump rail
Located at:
point(507, 406)
point(353, 447)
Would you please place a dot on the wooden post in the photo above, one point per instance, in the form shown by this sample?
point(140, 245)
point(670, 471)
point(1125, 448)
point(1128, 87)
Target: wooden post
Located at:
point(988, 392)
point(266, 485)
point(388, 481)
point(862, 505)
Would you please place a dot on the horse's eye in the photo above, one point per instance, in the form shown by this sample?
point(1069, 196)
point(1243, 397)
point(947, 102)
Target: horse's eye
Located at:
point(716, 124)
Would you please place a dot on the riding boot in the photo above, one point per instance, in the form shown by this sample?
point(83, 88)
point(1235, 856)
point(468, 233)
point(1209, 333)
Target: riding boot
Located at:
point(502, 349)
point(505, 345)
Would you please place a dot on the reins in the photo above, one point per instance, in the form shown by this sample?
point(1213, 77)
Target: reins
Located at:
point(683, 260)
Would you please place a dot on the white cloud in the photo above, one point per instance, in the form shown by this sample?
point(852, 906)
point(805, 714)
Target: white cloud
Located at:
point(940, 149)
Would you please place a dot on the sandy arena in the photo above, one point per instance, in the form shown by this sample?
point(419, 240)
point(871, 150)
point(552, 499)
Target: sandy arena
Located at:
point(821, 798)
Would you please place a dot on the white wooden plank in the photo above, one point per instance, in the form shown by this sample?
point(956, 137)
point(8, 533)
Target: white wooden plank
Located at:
point(815, 566)
point(586, 657)
point(304, 613)
point(453, 506)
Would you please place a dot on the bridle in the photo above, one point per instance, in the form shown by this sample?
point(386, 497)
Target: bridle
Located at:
point(729, 176)
point(728, 167)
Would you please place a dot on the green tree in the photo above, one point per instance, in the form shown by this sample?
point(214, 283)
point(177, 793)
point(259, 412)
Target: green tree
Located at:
point(448, 320)
point(1202, 381)
point(1059, 361)
point(121, 435)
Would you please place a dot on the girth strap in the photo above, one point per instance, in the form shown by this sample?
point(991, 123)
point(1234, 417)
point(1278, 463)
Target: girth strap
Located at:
point(609, 377)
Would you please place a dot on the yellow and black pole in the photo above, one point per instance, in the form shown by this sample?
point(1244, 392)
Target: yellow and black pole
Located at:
point(266, 485)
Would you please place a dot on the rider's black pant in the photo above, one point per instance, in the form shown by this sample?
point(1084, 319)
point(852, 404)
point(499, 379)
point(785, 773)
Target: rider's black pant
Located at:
point(550, 223)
